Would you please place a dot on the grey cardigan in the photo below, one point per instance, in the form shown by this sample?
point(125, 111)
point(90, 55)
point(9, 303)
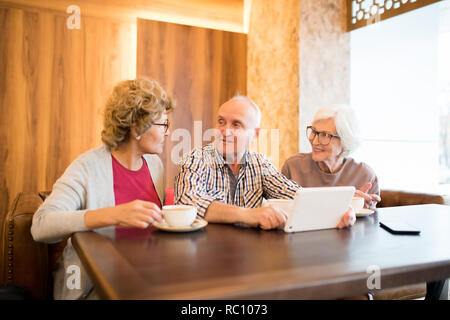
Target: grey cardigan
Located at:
point(87, 184)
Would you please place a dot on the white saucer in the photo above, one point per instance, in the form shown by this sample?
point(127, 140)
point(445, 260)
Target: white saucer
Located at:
point(364, 212)
point(198, 224)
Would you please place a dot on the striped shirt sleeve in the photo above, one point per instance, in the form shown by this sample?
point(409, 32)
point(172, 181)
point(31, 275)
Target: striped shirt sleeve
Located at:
point(191, 182)
point(275, 184)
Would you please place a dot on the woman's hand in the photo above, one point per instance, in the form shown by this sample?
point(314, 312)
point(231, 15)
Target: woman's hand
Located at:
point(137, 213)
point(348, 219)
point(369, 198)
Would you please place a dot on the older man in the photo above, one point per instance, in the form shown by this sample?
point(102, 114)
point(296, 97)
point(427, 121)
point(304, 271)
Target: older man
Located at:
point(227, 182)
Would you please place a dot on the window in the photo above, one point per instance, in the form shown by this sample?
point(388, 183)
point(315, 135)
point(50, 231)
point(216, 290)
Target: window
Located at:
point(400, 88)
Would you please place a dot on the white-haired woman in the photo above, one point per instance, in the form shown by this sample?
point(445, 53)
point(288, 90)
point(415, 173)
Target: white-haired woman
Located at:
point(118, 184)
point(333, 135)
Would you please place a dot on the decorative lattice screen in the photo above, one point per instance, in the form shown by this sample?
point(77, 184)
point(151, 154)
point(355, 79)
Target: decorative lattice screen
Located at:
point(362, 13)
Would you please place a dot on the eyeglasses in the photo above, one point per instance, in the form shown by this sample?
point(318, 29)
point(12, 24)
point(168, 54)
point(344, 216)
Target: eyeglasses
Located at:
point(165, 124)
point(324, 137)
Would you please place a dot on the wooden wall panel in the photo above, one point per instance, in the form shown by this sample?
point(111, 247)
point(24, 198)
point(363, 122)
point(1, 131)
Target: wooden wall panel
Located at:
point(201, 68)
point(53, 84)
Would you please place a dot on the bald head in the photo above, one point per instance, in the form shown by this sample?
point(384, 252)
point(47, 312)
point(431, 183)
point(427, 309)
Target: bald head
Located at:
point(237, 126)
point(246, 107)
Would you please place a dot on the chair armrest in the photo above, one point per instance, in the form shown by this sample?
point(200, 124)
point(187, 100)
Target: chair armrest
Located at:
point(24, 261)
point(394, 198)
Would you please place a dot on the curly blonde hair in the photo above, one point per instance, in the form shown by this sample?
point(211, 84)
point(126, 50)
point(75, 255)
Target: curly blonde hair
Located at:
point(134, 103)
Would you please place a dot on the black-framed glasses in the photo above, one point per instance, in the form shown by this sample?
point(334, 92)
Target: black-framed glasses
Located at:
point(166, 125)
point(324, 137)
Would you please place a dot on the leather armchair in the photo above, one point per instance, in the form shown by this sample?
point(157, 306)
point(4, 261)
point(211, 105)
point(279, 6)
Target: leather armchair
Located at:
point(394, 198)
point(25, 262)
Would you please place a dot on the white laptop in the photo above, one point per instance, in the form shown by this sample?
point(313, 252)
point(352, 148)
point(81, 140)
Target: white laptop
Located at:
point(318, 208)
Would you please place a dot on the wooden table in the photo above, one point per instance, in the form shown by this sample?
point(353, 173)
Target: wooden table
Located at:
point(231, 262)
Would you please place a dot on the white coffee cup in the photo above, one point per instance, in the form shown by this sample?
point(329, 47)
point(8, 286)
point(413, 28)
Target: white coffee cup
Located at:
point(284, 204)
point(179, 215)
point(357, 203)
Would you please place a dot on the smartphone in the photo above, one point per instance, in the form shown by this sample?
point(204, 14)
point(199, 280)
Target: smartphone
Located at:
point(399, 227)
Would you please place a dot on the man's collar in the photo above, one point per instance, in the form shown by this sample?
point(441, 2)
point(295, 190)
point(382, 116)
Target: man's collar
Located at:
point(221, 160)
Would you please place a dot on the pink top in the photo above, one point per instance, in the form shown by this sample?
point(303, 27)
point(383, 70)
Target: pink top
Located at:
point(132, 185)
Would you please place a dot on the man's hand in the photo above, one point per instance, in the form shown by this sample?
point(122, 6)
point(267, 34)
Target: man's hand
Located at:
point(267, 217)
point(348, 219)
point(368, 198)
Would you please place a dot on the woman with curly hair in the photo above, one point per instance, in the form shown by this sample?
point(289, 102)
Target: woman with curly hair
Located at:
point(118, 184)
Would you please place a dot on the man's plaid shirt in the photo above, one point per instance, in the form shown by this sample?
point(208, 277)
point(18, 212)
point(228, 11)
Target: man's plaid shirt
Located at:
point(203, 178)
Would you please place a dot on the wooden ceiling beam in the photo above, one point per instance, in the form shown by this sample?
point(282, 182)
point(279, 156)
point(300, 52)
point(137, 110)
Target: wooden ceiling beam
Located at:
point(225, 15)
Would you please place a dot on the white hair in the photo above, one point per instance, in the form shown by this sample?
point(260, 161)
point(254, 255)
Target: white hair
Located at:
point(253, 104)
point(346, 125)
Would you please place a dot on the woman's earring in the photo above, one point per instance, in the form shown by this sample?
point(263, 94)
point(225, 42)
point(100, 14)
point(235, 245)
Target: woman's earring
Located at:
point(138, 138)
